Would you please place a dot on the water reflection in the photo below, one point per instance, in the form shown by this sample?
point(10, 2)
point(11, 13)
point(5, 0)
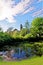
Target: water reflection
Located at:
point(18, 53)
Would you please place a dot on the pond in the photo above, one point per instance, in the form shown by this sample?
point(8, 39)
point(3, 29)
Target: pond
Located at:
point(18, 53)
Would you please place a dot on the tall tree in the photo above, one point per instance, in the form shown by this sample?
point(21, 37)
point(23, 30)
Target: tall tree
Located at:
point(23, 32)
point(37, 27)
point(1, 30)
point(21, 26)
point(26, 24)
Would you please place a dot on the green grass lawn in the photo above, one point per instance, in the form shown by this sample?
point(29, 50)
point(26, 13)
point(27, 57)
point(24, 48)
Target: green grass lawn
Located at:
point(33, 61)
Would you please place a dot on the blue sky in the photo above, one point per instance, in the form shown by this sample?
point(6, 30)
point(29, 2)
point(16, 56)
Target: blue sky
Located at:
point(16, 12)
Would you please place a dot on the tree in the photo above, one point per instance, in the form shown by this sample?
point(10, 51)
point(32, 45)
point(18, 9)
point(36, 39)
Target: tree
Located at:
point(1, 30)
point(16, 34)
point(37, 27)
point(27, 36)
point(23, 32)
point(21, 26)
point(37, 49)
point(26, 24)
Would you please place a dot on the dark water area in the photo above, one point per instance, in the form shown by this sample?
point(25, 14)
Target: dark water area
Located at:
point(22, 53)
point(19, 53)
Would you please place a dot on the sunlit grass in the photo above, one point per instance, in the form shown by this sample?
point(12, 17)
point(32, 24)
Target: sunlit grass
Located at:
point(32, 61)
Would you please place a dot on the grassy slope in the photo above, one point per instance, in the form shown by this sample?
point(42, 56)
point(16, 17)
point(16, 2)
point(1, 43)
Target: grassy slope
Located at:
point(33, 61)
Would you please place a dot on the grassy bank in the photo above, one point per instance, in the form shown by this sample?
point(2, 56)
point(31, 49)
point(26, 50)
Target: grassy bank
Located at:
point(33, 61)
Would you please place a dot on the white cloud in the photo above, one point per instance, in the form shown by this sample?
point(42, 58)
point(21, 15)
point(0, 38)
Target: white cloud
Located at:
point(20, 7)
point(37, 12)
point(28, 10)
point(40, 0)
point(8, 10)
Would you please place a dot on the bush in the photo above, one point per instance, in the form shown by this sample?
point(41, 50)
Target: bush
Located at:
point(28, 36)
point(38, 49)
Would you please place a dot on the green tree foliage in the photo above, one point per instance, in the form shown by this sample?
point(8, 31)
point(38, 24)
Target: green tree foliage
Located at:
point(28, 36)
point(15, 37)
point(1, 30)
point(5, 39)
point(24, 31)
point(37, 27)
point(15, 34)
point(38, 49)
